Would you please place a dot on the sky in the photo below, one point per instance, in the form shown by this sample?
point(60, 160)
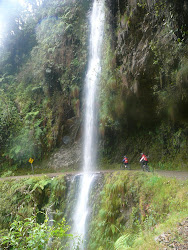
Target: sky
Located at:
point(6, 6)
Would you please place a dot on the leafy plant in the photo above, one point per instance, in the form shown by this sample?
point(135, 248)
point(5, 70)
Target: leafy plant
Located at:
point(131, 207)
point(7, 173)
point(122, 243)
point(28, 234)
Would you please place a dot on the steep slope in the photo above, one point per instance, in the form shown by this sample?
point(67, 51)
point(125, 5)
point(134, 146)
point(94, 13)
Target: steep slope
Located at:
point(40, 97)
point(130, 210)
point(144, 92)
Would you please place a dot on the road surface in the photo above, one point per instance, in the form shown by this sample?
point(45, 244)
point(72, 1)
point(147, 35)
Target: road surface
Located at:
point(181, 175)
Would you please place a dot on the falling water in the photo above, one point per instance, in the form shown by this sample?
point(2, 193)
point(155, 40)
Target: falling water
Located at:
point(90, 124)
point(92, 79)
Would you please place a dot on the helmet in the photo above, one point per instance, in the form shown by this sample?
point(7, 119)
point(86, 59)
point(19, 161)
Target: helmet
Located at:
point(124, 156)
point(141, 153)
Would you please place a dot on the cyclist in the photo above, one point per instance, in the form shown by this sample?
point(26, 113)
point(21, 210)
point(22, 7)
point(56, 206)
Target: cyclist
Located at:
point(143, 160)
point(125, 161)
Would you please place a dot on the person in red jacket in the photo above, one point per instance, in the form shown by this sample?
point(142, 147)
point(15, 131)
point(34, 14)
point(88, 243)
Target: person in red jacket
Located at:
point(125, 161)
point(143, 159)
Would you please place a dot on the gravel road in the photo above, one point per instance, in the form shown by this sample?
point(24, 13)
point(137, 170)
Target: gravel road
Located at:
point(180, 175)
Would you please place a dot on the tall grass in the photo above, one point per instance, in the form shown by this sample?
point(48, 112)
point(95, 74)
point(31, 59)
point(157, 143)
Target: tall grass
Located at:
point(134, 207)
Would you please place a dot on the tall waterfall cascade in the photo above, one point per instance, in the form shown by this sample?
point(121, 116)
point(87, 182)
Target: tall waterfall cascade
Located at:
point(97, 19)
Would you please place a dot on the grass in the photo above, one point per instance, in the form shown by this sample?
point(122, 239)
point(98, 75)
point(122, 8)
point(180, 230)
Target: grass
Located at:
point(141, 205)
point(38, 169)
point(133, 203)
point(146, 240)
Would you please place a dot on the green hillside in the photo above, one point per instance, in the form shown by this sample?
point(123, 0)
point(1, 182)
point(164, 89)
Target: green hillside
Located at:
point(143, 91)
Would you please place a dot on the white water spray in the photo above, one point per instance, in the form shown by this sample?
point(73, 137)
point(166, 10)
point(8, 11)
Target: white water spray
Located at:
point(90, 121)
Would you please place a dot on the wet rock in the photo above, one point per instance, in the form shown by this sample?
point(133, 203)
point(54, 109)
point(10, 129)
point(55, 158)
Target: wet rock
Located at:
point(67, 156)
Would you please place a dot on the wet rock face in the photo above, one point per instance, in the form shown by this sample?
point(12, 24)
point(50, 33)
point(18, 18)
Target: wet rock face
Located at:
point(67, 156)
point(136, 30)
point(175, 240)
point(148, 36)
point(140, 22)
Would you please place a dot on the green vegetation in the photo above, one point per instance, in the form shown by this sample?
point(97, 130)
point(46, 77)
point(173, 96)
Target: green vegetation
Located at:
point(28, 234)
point(32, 213)
point(143, 90)
point(20, 199)
point(134, 208)
point(143, 108)
point(144, 83)
point(129, 209)
point(41, 71)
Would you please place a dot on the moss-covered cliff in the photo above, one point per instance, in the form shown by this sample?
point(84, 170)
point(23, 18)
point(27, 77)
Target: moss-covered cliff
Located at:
point(144, 86)
point(134, 208)
point(21, 199)
point(143, 91)
point(42, 69)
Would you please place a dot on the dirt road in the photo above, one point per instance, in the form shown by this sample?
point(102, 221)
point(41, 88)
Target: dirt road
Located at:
point(181, 175)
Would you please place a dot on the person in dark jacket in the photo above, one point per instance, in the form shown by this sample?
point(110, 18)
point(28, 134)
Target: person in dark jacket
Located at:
point(125, 161)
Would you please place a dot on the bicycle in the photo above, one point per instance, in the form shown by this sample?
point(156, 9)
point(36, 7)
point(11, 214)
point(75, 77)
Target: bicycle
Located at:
point(125, 166)
point(145, 167)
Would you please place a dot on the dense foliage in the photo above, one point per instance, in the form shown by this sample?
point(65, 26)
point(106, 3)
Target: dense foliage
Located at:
point(143, 96)
point(42, 65)
point(28, 234)
point(136, 207)
point(129, 209)
point(144, 85)
point(21, 199)
point(32, 213)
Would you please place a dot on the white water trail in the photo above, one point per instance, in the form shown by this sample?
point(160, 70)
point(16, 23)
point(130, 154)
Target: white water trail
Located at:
point(90, 119)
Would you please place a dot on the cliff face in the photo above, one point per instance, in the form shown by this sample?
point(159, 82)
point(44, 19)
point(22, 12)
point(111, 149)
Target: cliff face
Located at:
point(42, 93)
point(151, 45)
point(149, 65)
point(144, 93)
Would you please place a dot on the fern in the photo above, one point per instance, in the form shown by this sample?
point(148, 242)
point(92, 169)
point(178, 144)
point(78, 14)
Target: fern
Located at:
point(122, 243)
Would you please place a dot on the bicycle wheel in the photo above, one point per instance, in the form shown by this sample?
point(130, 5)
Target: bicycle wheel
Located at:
point(147, 168)
point(122, 166)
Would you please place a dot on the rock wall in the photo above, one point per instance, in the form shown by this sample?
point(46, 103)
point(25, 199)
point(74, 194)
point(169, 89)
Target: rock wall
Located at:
point(149, 69)
point(149, 34)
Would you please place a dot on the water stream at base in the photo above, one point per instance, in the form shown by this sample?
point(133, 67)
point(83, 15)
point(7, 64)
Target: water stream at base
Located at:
point(90, 119)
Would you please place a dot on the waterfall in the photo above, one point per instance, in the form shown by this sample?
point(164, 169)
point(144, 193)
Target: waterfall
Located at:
point(91, 85)
point(90, 118)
